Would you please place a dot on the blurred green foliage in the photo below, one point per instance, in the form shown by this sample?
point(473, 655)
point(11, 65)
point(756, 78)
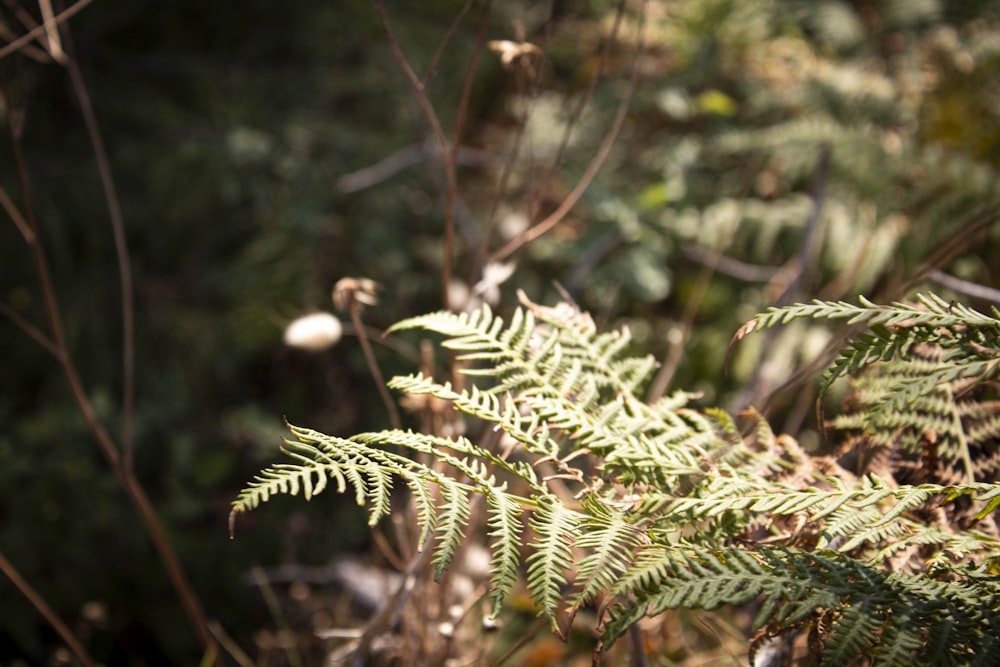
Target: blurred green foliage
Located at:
point(230, 126)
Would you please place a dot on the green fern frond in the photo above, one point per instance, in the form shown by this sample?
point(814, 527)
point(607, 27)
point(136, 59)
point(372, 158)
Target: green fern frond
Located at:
point(478, 328)
point(855, 632)
point(453, 516)
point(538, 349)
point(424, 504)
point(945, 545)
point(935, 313)
point(869, 513)
point(665, 578)
point(667, 490)
point(555, 529)
point(895, 329)
point(530, 430)
point(872, 612)
point(504, 524)
point(321, 458)
point(610, 541)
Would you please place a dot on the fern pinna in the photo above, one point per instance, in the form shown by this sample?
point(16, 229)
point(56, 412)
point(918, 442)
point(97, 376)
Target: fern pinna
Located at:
point(597, 497)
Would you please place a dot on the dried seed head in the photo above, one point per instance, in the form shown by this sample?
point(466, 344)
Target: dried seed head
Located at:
point(349, 292)
point(510, 51)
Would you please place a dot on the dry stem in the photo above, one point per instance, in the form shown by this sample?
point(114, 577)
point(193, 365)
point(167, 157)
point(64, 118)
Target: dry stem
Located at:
point(38, 602)
point(57, 344)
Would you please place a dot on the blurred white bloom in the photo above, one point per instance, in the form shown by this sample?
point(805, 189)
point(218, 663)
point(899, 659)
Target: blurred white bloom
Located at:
point(313, 332)
point(459, 296)
point(494, 275)
point(510, 52)
point(446, 630)
point(514, 224)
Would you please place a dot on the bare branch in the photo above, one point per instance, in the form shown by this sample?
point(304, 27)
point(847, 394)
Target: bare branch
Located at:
point(22, 225)
point(965, 287)
point(30, 329)
point(121, 255)
point(449, 165)
point(52, 31)
point(584, 100)
point(38, 31)
point(444, 42)
point(109, 449)
point(595, 165)
point(406, 157)
point(38, 602)
point(515, 145)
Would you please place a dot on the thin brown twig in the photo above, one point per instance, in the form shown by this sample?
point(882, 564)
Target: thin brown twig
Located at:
point(366, 348)
point(515, 145)
point(584, 100)
point(109, 449)
point(51, 306)
point(51, 31)
point(30, 329)
point(352, 294)
point(229, 644)
point(530, 634)
point(710, 264)
point(595, 165)
point(463, 104)
point(29, 50)
point(121, 254)
point(277, 615)
point(38, 602)
point(15, 215)
point(470, 74)
point(449, 165)
point(968, 288)
point(403, 158)
point(436, 58)
point(38, 31)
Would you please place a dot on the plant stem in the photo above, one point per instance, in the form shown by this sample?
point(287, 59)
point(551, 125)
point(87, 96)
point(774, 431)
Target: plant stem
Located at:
point(121, 252)
point(446, 153)
point(390, 405)
point(38, 602)
point(595, 165)
point(109, 449)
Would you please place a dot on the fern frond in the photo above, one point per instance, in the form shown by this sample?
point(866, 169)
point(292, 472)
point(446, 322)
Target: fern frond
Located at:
point(854, 633)
point(453, 516)
point(872, 611)
point(610, 541)
point(668, 489)
point(478, 328)
point(530, 430)
point(894, 330)
point(319, 460)
point(504, 523)
point(665, 578)
point(555, 529)
point(424, 504)
point(935, 313)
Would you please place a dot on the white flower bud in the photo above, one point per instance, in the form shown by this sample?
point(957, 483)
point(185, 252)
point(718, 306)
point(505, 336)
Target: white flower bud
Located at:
point(494, 275)
point(313, 332)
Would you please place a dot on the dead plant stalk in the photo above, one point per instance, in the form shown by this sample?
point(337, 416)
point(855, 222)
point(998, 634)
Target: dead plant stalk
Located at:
point(118, 457)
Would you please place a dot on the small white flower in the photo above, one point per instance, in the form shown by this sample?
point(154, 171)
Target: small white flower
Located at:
point(313, 332)
point(510, 52)
point(459, 296)
point(494, 275)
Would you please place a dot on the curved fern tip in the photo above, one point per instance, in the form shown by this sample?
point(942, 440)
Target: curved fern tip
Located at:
point(232, 520)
